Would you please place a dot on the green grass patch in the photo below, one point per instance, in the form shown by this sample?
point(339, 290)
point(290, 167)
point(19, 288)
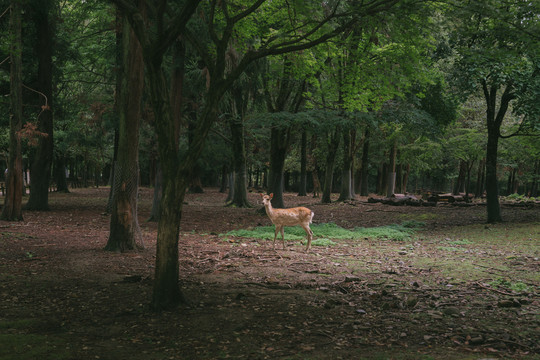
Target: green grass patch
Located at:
point(509, 285)
point(322, 233)
point(520, 198)
point(321, 242)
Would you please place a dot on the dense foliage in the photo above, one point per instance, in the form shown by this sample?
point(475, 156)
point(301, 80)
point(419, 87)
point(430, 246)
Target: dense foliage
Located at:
point(382, 62)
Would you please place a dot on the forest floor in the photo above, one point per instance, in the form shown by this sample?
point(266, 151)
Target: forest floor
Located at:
point(457, 289)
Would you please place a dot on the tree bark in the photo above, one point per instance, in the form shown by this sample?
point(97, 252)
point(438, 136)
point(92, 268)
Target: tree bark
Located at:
point(230, 193)
point(60, 174)
point(279, 144)
point(40, 169)
point(115, 150)
point(239, 198)
point(480, 180)
point(347, 191)
point(12, 209)
point(391, 183)
point(333, 145)
point(158, 190)
point(302, 191)
point(224, 179)
point(460, 181)
point(239, 105)
point(494, 120)
point(492, 187)
point(536, 177)
point(365, 166)
point(125, 233)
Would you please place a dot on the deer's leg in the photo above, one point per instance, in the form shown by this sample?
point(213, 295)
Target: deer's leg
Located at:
point(283, 236)
point(275, 236)
point(309, 235)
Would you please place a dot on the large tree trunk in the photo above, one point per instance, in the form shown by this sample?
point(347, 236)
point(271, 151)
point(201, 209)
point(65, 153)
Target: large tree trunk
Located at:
point(176, 175)
point(239, 197)
point(166, 291)
point(119, 61)
point(279, 143)
point(494, 120)
point(125, 233)
point(40, 169)
point(12, 210)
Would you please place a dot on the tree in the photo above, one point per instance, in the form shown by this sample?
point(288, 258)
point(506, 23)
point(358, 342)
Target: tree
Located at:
point(498, 54)
point(283, 106)
point(242, 93)
point(40, 169)
point(125, 233)
point(12, 210)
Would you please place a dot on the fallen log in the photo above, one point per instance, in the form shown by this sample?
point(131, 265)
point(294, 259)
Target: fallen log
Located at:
point(401, 199)
point(449, 198)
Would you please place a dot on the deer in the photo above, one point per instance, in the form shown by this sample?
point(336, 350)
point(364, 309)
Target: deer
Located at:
point(288, 217)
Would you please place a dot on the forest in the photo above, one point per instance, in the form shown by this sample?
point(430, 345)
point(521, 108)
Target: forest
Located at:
point(141, 109)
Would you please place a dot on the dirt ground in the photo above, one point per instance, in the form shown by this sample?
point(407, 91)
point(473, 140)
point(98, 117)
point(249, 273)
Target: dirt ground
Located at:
point(63, 297)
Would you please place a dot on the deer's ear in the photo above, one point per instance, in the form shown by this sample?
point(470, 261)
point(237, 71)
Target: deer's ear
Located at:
point(262, 195)
point(271, 195)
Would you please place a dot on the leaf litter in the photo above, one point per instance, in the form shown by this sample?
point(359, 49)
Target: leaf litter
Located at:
point(367, 297)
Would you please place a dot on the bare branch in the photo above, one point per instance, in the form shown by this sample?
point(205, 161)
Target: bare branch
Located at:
point(5, 11)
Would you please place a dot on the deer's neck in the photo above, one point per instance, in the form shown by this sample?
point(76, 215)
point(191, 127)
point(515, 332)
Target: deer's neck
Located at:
point(269, 210)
